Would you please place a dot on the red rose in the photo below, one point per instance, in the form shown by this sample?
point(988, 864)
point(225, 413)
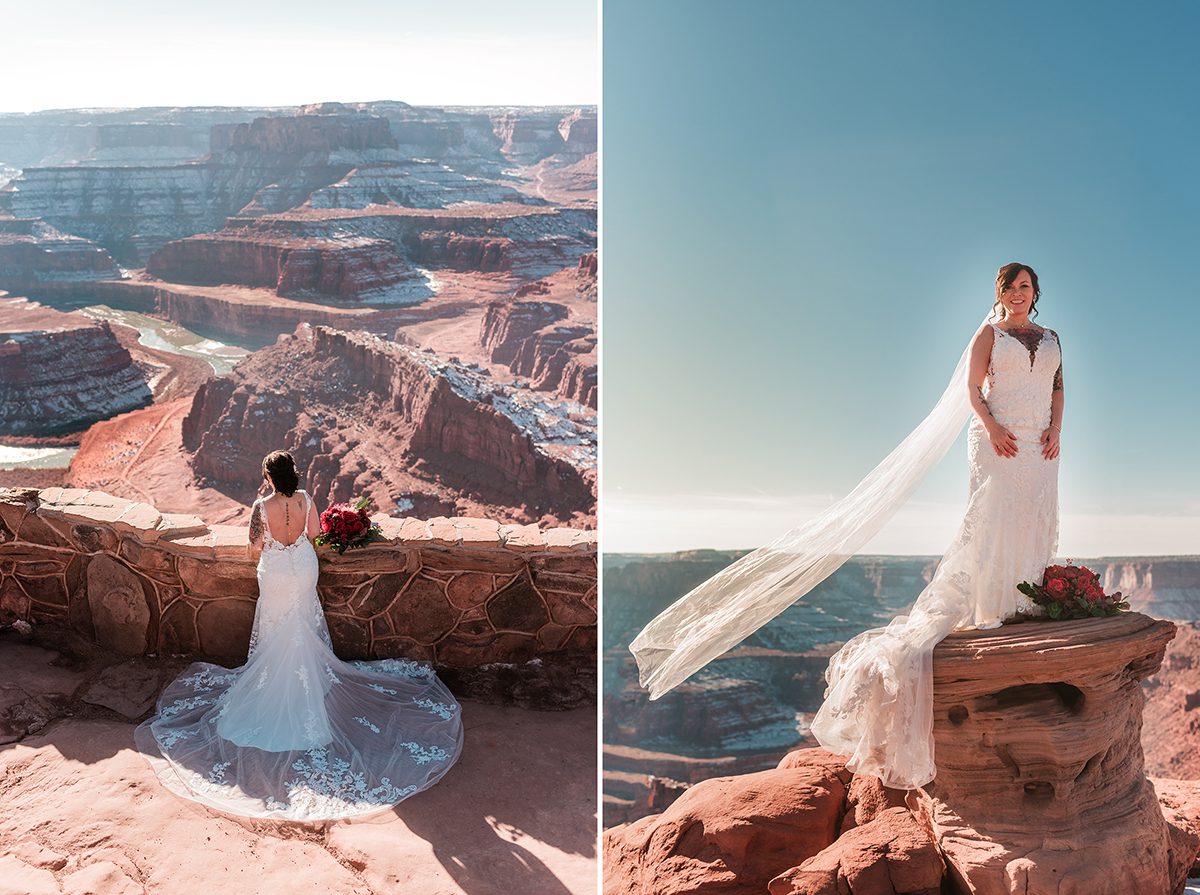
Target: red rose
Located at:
point(1056, 586)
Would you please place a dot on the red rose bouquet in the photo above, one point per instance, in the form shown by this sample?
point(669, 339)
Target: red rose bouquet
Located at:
point(1072, 592)
point(345, 525)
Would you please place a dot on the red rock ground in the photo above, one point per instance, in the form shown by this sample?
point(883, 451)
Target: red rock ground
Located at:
point(81, 811)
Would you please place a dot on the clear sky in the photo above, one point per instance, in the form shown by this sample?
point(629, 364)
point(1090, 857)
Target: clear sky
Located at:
point(804, 206)
point(73, 53)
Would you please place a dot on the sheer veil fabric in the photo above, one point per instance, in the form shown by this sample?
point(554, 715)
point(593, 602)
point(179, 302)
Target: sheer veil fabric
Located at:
point(878, 705)
point(296, 733)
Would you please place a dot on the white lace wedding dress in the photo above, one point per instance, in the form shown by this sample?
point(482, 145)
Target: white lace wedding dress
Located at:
point(878, 707)
point(296, 733)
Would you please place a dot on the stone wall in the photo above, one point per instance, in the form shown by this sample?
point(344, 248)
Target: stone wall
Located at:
point(461, 593)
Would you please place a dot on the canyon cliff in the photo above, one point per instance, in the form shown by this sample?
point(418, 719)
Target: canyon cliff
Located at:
point(1040, 789)
point(367, 416)
point(60, 372)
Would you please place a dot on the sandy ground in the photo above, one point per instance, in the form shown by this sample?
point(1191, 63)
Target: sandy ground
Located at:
point(81, 812)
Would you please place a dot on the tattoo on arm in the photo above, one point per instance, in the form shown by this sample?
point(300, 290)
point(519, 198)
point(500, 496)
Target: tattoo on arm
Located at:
point(1058, 380)
point(256, 524)
point(983, 401)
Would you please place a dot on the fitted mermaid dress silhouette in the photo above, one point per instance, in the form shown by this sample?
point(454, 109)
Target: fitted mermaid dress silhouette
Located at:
point(296, 733)
point(878, 706)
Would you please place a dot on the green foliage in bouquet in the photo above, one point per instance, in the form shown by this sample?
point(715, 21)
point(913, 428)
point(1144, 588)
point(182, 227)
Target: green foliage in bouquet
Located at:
point(1073, 592)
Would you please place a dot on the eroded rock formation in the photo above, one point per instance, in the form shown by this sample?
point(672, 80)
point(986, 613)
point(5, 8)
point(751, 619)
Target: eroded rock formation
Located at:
point(365, 415)
point(342, 269)
point(133, 182)
point(60, 372)
point(1040, 790)
point(33, 254)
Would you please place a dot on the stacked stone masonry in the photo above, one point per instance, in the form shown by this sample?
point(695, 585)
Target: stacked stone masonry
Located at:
point(461, 593)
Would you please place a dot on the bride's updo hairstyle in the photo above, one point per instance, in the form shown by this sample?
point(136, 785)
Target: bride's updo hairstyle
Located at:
point(1007, 274)
point(281, 469)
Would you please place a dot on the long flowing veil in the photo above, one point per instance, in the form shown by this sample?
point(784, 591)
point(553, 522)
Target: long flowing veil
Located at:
point(720, 612)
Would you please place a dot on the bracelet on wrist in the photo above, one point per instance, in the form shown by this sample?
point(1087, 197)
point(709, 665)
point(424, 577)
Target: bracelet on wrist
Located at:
point(1059, 428)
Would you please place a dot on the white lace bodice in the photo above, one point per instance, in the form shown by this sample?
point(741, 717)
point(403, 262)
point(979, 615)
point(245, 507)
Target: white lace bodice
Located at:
point(1020, 381)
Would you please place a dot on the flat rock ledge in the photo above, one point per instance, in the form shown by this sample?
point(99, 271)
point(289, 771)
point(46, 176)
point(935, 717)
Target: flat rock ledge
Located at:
point(1041, 790)
point(508, 611)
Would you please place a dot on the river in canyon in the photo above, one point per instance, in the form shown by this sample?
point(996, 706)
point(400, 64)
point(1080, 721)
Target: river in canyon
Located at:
point(167, 336)
point(153, 333)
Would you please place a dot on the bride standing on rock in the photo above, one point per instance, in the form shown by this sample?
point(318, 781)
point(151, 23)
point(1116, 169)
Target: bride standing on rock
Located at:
point(878, 706)
point(296, 733)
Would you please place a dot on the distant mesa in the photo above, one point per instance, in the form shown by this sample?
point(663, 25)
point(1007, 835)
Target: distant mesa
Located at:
point(60, 372)
point(141, 180)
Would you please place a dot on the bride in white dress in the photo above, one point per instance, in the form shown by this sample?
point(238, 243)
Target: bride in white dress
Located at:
point(878, 706)
point(296, 733)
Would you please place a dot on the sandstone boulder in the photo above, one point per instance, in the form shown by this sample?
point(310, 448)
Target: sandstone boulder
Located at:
point(729, 835)
point(890, 855)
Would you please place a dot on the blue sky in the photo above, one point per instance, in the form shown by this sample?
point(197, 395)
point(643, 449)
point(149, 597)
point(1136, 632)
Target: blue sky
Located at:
point(804, 206)
point(73, 53)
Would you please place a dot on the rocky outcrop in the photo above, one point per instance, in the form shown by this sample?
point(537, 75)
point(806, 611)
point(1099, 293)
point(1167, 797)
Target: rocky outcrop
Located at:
point(580, 131)
point(462, 593)
point(61, 372)
point(1172, 715)
point(528, 337)
point(1165, 586)
point(397, 179)
point(1041, 779)
point(1040, 790)
point(322, 127)
point(345, 269)
point(507, 325)
point(128, 210)
point(445, 249)
point(246, 315)
point(134, 185)
point(33, 254)
point(364, 415)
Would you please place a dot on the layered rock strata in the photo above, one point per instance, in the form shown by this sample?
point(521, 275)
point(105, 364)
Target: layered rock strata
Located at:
point(365, 415)
point(1041, 784)
point(133, 185)
point(342, 269)
point(461, 593)
point(545, 342)
point(60, 372)
point(33, 254)
point(1040, 790)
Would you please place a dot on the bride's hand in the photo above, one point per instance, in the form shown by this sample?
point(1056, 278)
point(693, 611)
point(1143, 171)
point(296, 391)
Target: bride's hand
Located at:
point(1050, 443)
point(1004, 443)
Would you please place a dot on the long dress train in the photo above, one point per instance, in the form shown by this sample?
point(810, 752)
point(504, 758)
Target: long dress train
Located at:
point(878, 706)
point(296, 733)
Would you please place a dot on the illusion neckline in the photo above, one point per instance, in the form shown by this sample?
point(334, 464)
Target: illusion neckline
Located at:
point(1032, 348)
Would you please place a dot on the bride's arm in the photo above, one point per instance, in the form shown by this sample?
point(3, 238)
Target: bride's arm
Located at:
point(314, 521)
point(1050, 438)
point(1004, 443)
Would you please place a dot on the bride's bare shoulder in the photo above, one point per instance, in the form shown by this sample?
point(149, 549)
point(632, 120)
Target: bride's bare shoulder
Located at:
point(984, 336)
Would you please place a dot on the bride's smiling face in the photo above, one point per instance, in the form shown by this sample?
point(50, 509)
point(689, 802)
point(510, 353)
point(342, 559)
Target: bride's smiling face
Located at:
point(1017, 298)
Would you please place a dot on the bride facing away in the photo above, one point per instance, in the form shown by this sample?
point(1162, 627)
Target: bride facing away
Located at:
point(878, 704)
point(295, 733)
